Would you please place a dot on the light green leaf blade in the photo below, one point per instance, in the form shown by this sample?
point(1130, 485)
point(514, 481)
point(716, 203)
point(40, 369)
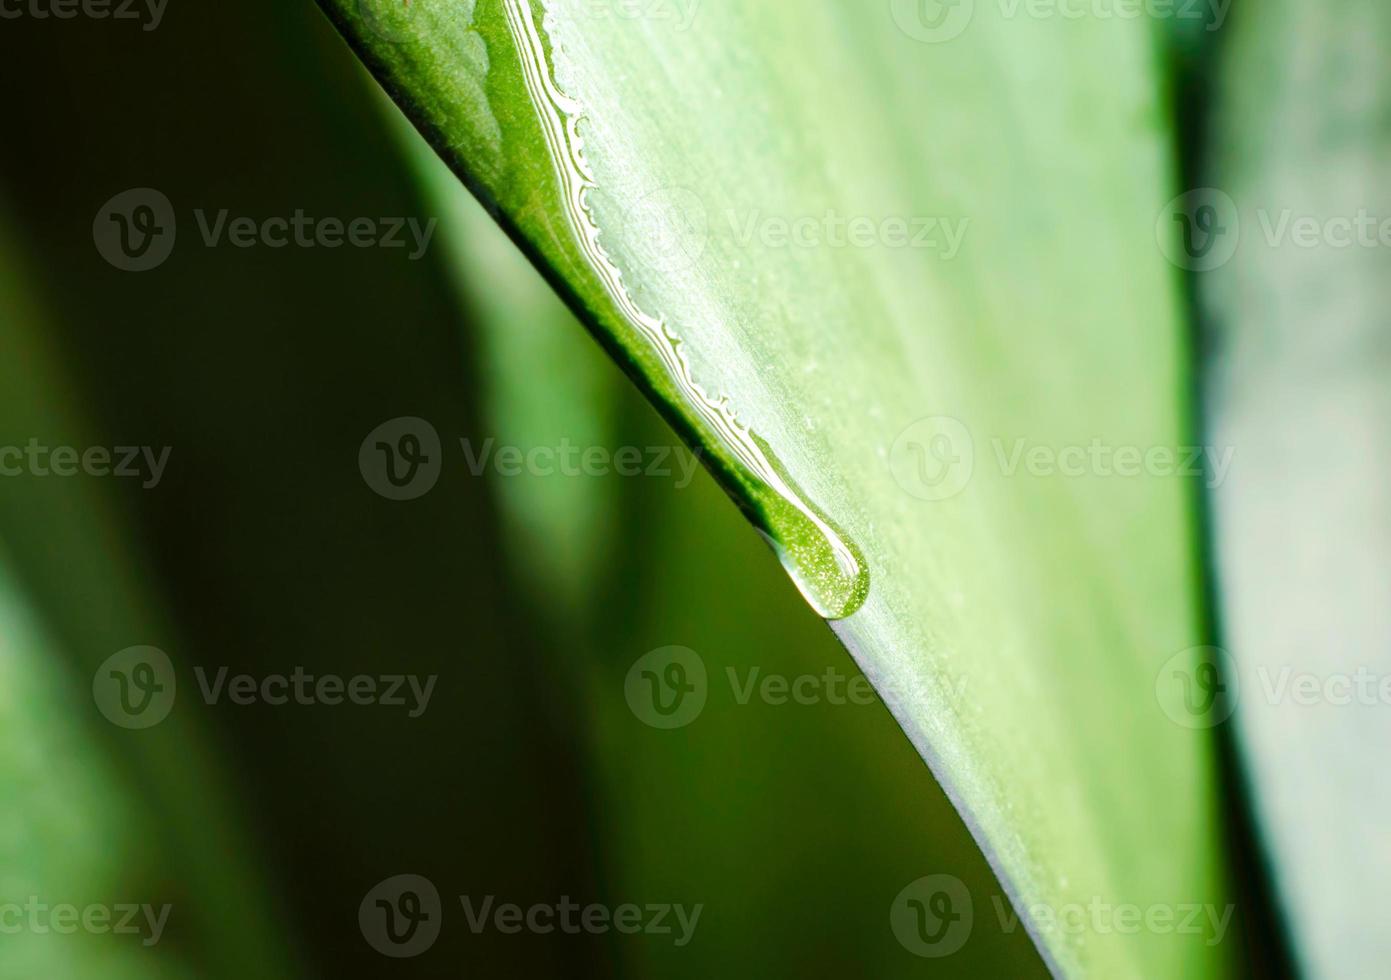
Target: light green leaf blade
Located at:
point(1296, 293)
point(864, 273)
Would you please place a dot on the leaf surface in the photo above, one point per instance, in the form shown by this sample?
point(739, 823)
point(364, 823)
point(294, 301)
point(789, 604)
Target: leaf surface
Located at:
point(873, 272)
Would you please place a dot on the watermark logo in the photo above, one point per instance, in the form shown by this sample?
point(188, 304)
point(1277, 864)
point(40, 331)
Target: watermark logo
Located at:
point(933, 458)
point(1212, 13)
point(667, 687)
point(124, 462)
point(670, 227)
point(401, 458)
point(570, 460)
point(1197, 687)
point(409, 692)
point(831, 686)
point(401, 917)
point(1199, 230)
point(680, 13)
point(135, 687)
point(395, 21)
point(932, 21)
point(1338, 689)
point(39, 918)
point(135, 230)
point(1339, 231)
point(570, 917)
point(391, 20)
point(149, 12)
point(1101, 917)
point(932, 916)
point(831, 229)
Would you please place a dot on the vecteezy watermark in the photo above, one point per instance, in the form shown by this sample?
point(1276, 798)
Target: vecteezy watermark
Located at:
point(940, 234)
point(932, 21)
point(135, 231)
point(679, 13)
point(672, 919)
point(1287, 685)
point(395, 21)
point(1097, 458)
point(1197, 687)
point(410, 692)
point(34, 458)
point(568, 459)
point(148, 12)
point(1099, 917)
point(39, 918)
point(672, 228)
point(1201, 229)
point(1361, 229)
point(402, 458)
point(1212, 13)
point(135, 688)
point(935, 21)
point(403, 916)
point(668, 687)
point(933, 917)
point(934, 458)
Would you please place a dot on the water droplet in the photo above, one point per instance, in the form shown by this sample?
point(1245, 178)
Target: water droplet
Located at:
point(826, 566)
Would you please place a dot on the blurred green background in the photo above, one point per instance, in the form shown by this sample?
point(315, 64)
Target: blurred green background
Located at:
point(263, 548)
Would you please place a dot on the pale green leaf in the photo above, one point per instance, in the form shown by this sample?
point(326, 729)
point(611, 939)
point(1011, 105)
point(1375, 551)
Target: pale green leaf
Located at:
point(1296, 290)
point(862, 271)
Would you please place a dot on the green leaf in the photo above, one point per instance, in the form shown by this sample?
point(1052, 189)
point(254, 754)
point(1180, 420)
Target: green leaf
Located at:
point(96, 814)
point(1296, 292)
point(738, 207)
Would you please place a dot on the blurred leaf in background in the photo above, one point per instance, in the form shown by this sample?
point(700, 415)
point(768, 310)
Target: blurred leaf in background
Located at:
point(94, 814)
point(265, 369)
point(1295, 295)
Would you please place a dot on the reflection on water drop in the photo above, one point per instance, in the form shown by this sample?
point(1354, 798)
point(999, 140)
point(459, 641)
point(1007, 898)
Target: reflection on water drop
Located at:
point(828, 569)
